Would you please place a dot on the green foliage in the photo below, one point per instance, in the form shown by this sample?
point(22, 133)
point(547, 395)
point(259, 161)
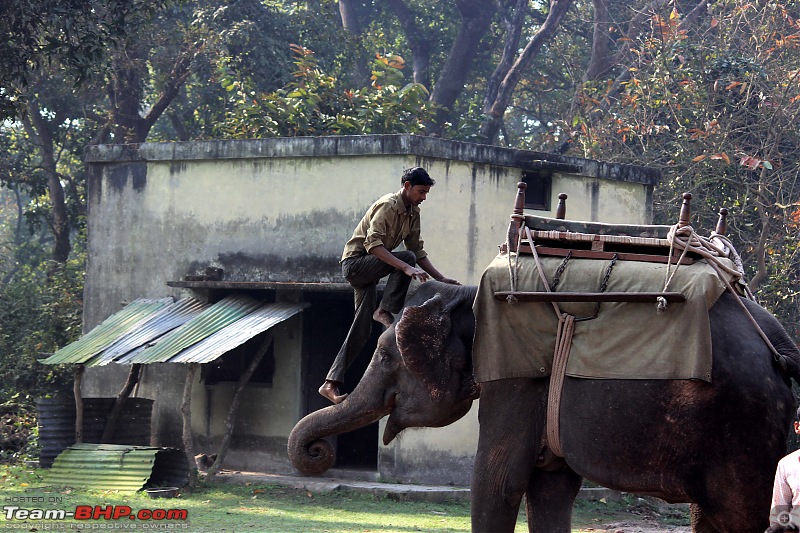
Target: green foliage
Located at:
point(316, 104)
point(19, 434)
point(40, 311)
point(78, 33)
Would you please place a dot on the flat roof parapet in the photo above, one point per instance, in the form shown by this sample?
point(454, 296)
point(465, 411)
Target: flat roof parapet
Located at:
point(369, 145)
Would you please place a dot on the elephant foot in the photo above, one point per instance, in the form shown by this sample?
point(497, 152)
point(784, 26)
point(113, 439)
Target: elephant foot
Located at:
point(383, 316)
point(330, 390)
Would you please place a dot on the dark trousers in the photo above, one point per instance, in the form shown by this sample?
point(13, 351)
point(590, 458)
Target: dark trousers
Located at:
point(363, 273)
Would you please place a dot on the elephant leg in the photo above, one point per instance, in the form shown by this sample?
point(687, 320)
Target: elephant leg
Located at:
point(733, 506)
point(699, 521)
point(549, 499)
point(511, 416)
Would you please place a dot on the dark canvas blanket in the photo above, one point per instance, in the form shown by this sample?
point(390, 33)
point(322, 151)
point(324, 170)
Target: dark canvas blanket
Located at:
point(626, 340)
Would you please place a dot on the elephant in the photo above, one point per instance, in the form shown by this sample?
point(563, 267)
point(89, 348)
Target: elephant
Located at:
point(712, 444)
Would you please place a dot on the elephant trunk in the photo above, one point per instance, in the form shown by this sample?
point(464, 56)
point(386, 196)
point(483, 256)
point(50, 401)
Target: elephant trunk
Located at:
point(312, 455)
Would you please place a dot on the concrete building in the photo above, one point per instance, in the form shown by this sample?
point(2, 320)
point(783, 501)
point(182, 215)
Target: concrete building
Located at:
point(273, 215)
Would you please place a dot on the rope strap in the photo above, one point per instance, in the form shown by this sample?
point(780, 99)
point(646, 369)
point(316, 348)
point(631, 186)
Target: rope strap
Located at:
point(566, 328)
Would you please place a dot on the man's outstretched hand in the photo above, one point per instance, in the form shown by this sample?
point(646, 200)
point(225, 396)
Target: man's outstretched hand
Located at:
point(416, 273)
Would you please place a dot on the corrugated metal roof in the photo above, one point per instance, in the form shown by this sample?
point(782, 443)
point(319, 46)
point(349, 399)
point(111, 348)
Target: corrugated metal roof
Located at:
point(118, 467)
point(245, 329)
point(212, 319)
point(186, 331)
point(134, 314)
point(162, 322)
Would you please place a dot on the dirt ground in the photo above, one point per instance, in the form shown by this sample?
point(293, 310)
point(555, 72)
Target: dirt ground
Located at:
point(636, 526)
point(631, 514)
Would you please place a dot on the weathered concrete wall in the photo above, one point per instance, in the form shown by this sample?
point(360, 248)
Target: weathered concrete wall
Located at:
point(281, 210)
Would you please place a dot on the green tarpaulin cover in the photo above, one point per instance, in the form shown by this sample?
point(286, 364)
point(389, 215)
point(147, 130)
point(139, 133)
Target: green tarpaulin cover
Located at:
point(626, 340)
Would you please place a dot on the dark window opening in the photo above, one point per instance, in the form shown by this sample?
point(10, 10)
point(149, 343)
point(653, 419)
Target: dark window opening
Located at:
point(231, 366)
point(537, 194)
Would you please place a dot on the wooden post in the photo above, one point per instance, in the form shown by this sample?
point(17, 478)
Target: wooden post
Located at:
point(234, 408)
point(186, 412)
point(517, 218)
point(113, 416)
point(686, 210)
point(561, 209)
point(722, 222)
point(76, 391)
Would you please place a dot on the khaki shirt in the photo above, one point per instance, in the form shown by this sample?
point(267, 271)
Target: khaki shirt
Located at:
point(387, 223)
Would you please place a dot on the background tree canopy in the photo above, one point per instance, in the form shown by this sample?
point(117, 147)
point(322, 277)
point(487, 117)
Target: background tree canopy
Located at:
point(708, 91)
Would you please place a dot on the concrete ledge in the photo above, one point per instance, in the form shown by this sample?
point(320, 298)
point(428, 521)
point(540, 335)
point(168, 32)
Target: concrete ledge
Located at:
point(599, 493)
point(393, 491)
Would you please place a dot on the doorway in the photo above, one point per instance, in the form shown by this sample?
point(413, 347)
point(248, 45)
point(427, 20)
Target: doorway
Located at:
point(325, 326)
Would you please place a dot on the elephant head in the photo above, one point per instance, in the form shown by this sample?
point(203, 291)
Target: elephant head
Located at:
point(420, 375)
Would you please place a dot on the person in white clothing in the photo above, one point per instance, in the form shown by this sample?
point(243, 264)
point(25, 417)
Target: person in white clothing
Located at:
point(784, 513)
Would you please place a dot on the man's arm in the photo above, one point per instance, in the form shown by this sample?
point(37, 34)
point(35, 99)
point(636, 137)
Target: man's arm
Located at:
point(428, 267)
point(386, 256)
point(781, 497)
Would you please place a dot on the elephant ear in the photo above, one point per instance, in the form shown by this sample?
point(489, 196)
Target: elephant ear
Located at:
point(422, 334)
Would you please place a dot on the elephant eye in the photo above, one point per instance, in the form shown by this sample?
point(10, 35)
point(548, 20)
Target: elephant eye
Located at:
point(385, 357)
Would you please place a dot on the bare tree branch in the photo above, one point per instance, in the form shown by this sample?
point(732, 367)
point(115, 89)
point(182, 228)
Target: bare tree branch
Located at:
point(513, 18)
point(493, 118)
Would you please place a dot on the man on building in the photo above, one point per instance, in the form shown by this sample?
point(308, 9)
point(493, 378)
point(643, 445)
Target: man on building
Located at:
point(368, 257)
point(785, 510)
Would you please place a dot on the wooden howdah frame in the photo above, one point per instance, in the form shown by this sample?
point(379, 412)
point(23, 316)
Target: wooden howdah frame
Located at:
point(595, 240)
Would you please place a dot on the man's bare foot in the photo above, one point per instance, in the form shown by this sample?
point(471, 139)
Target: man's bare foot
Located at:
point(330, 390)
point(383, 316)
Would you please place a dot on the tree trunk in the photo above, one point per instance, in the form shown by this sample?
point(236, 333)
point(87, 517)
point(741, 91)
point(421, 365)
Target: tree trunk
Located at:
point(349, 13)
point(76, 391)
point(234, 408)
point(476, 17)
point(494, 117)
point(113, 416)
point(126, 94)
point(600, 61)
point(186, 412)
point(419, 44)
point(353, 22)
point(39, 132)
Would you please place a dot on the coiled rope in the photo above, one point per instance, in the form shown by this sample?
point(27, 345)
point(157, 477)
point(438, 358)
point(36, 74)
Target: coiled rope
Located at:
point(685, 239)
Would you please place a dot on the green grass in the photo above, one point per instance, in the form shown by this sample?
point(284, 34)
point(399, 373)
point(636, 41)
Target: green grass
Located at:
point(264, 508)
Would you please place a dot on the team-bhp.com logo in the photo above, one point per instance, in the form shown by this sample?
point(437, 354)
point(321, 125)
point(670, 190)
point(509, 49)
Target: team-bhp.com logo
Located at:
point(150, 517)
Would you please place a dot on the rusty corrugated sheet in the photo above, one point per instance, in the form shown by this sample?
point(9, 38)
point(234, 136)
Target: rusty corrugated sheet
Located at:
point(118, 467)
point(212, 319)
point(118, 324)
point(239, 332)
point(162, 322)
point(56, 421)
